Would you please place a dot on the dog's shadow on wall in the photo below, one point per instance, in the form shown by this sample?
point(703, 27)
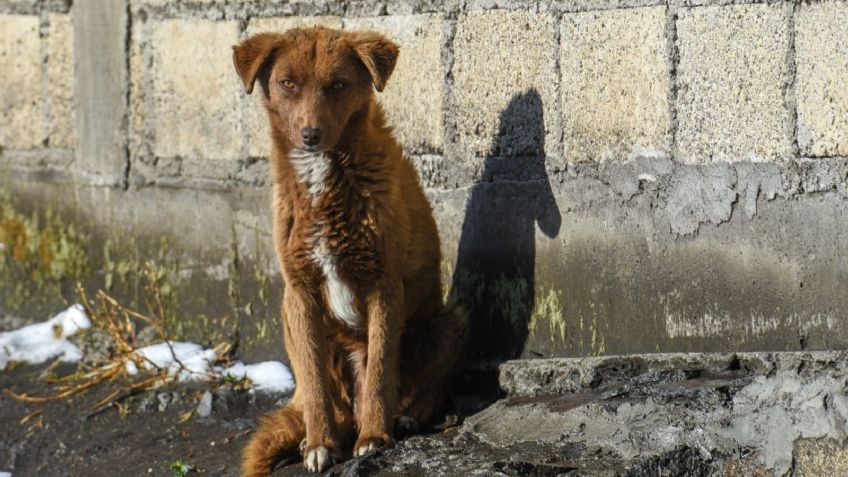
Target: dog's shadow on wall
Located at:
point(494, 276)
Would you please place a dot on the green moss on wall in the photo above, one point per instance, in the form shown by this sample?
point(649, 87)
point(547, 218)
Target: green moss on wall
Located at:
point(255, 314)
point(136, 272)
point(41, 257)
point(548, 311)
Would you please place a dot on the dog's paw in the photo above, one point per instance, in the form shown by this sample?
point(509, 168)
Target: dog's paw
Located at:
point(364, 445)
point(318, 459)
point(405, 426)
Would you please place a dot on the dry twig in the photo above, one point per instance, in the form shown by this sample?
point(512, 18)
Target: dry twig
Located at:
point(119, 323)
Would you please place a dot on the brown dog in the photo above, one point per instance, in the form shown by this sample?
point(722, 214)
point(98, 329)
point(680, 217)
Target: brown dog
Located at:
point(371, 343)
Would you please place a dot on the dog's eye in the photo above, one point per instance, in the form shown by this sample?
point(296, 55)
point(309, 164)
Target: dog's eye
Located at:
point(287, 84)
point(337, 86)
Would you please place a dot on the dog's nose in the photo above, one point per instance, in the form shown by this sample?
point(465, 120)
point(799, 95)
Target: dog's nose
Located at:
point(310, 136)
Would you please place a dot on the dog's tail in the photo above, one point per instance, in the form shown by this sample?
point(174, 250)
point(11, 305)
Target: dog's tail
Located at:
point(279, 435)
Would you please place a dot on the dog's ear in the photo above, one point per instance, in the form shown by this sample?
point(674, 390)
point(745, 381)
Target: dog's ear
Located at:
point(378, 54)
point(251, 54)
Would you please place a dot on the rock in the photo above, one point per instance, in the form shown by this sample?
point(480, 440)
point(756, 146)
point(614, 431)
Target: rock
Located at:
point(204, 407)
point(221, 400)
point(148, 403)
point(165, 400)
point(647, 415)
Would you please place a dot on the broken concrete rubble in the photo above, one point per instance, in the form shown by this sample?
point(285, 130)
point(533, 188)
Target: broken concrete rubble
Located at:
point(664, 414)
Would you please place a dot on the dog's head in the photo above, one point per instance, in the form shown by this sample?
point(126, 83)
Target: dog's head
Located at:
point(315, 79)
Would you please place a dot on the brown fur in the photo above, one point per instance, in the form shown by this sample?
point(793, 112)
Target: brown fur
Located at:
point(374, 218)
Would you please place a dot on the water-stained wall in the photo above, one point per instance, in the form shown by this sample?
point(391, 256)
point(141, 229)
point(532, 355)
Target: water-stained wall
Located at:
point(608, 177)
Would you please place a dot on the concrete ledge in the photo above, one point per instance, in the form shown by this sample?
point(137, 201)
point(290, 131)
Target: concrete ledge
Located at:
point(761, 414)
point(539, 377)
point(644, 411)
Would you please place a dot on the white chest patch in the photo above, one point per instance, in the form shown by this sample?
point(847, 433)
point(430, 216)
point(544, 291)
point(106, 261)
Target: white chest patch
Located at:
point(312, 169)
point(339, 295)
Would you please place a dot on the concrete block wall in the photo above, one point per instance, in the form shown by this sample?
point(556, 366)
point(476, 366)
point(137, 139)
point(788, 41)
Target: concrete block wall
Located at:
point(37, 104)
point(609, 177)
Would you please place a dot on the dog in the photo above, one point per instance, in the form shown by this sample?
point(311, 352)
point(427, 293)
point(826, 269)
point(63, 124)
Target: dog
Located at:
point(373, 346)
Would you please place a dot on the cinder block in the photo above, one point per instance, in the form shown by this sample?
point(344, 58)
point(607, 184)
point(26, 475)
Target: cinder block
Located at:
point(615, 83)
point(163, 3)
point(414, 95)
point(60, 78)
point(731, 78)
point(21, 105)
point(255, 119)
point(281, 24)
point(504, 93)
point(821, 56)
point(194, 89)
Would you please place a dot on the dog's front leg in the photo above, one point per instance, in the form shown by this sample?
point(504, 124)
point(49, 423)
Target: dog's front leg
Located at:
point(304, 319)
point(379, 393)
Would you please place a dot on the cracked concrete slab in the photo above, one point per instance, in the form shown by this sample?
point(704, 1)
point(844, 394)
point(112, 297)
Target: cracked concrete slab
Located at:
point(645, 415)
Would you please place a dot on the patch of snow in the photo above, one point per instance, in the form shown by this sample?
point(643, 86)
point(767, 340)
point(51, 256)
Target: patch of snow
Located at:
point(204, 406)
point(183, 361)
point(192, 362)
point(188, 361)
point(269, 376)
point(41, 342)
point(5, 474)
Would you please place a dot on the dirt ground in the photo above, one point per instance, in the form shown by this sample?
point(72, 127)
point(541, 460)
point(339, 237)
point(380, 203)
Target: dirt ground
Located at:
point(145, 436)
point(747, 414)
point(145, 439)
